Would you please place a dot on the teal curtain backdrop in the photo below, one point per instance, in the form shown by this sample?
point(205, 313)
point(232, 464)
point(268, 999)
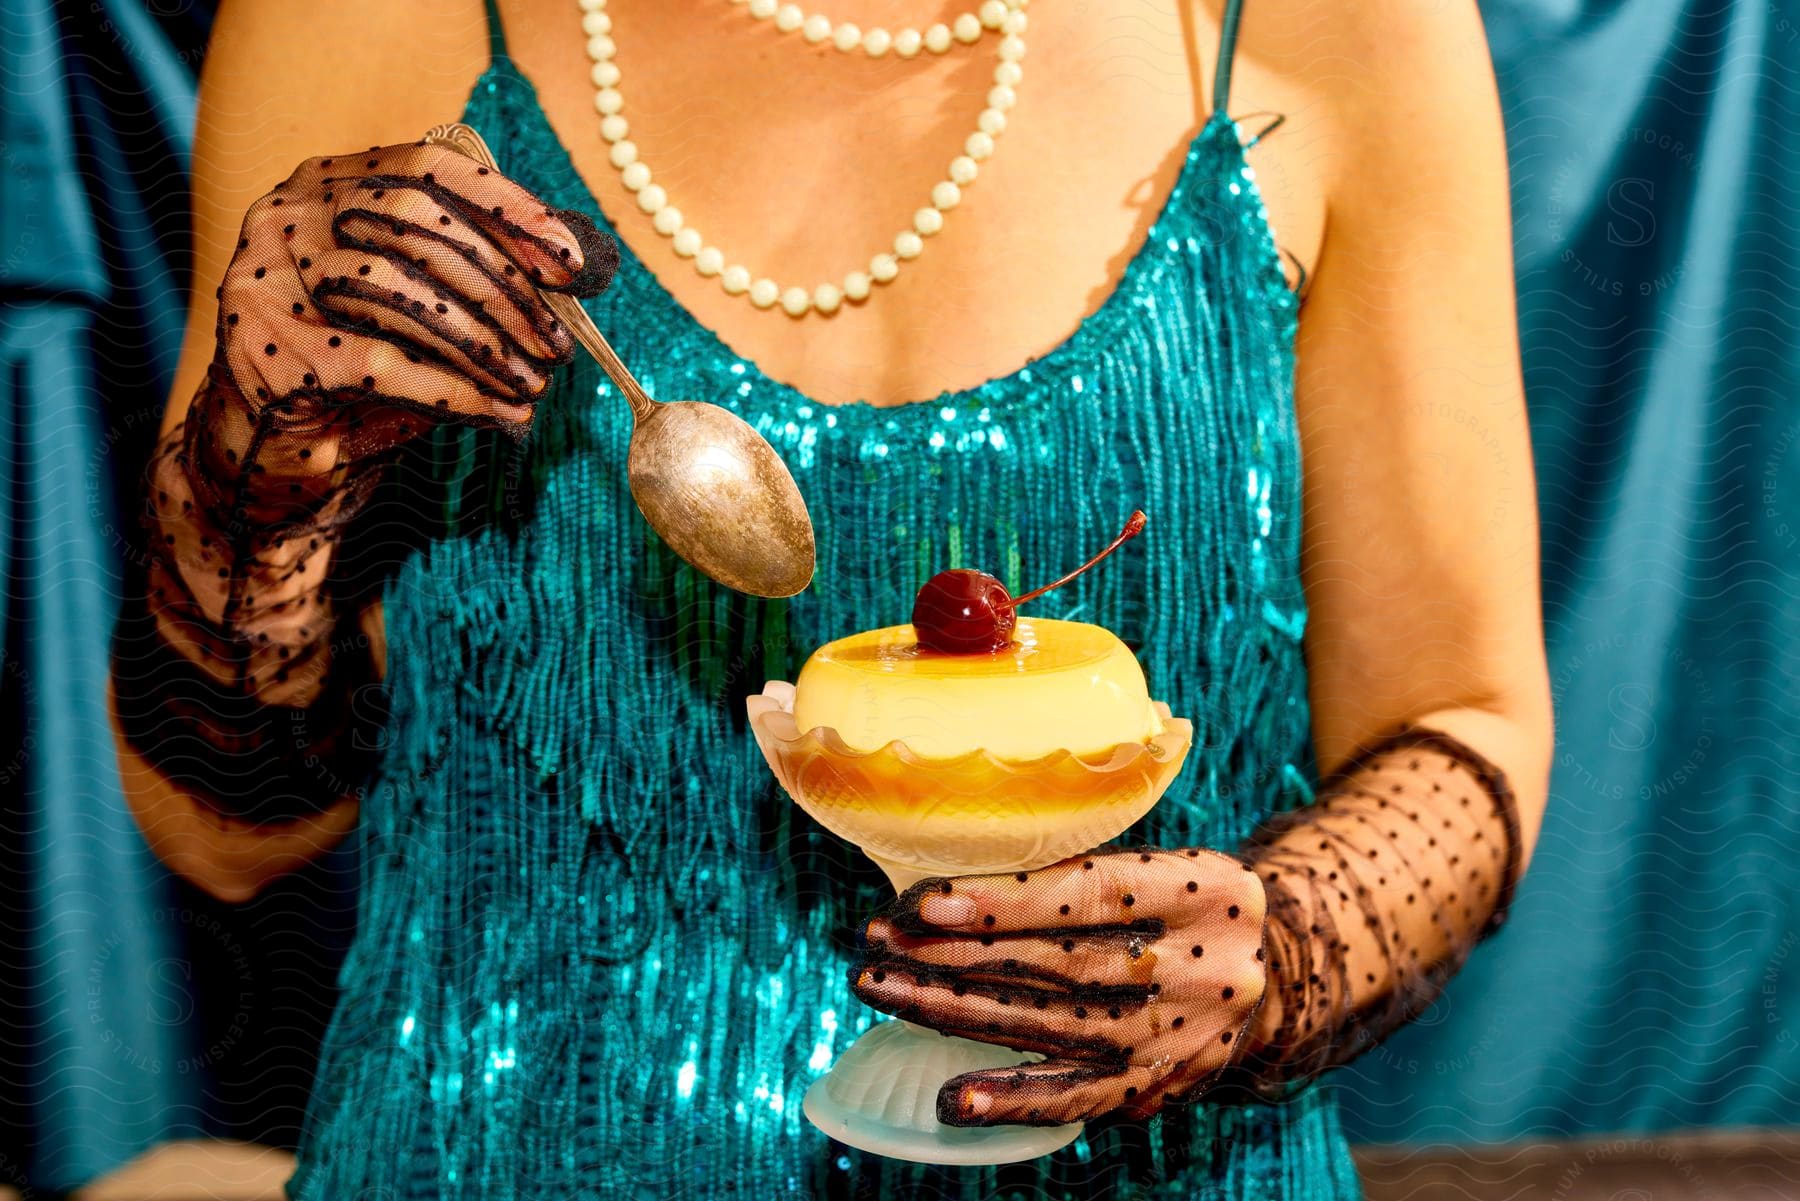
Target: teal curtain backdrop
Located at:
point(134, 1009)
point(1650, 976)
point(90, 1055)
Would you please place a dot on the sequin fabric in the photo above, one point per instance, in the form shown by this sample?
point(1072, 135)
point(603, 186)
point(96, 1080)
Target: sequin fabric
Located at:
point(599, 953)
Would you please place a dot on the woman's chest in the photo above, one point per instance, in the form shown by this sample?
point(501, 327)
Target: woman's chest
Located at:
point(802, 164)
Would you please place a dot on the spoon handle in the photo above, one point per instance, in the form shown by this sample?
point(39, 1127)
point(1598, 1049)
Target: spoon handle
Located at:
point(569, 311)
point(465, 140)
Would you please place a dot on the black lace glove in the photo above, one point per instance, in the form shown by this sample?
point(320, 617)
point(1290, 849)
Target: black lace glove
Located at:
point(372, 295)
point(1377, 893)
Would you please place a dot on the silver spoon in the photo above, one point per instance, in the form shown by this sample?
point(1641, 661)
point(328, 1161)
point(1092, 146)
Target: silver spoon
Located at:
point(708, 484)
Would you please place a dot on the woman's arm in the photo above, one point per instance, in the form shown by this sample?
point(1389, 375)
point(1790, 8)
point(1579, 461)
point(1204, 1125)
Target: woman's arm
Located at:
point(1421, 536)
point(1421, 521)
point(282, 82)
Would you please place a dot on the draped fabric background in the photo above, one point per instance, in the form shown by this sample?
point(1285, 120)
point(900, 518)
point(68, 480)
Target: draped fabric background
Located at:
point(132, 1008)
point(1650, 976)
point(84, 1037)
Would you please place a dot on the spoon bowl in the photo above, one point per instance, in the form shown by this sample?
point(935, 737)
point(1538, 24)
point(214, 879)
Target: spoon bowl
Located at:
point(711, 487)
point(688, 458)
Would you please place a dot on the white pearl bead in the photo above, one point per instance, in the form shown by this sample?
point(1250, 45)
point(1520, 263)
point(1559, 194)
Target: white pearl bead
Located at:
point(928, 221)
point(847, 37)
point(856, 285)
point(963, 170)
point(1009, 74)
point(668, 217)
point(601, 48)
point(908, 245)
point(826, 298)
point(992, 122)
point(816, 30)
point(906, 44)
point(764, 292)
point(605, 75)
point(1012, 48)
point(608, 101)
point(979, 146)
point(635, 176)
point(623, 154)
point(614, 128)
point(1015, 23)
point(709, 261)
point(796, 301)
point(596, 23)
point(967, 28)
point(789, 17)
point(735, 280)
point(883, 267)
point(1001, 97)
point(992, 13)
point(944, 194)
point(687, 242)
point(651, 198)
point(762, 10)
point(876, 43)
point(588, 6)
point(937, 38)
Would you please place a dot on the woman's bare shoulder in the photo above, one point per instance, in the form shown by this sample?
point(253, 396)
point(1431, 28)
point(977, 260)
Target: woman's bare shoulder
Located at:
point(283, 82)
point(1369, 86)
point(1369, 54)
point(280, 77)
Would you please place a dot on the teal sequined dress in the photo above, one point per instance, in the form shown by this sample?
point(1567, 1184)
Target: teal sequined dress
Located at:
point(599, 953)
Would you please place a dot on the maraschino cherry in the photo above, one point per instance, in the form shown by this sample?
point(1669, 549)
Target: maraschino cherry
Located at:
point(964, 612)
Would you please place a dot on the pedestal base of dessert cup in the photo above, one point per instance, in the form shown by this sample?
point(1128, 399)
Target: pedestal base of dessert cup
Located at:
point(882, 1094)
point(970, 815)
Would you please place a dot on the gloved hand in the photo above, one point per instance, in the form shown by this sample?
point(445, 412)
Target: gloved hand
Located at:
point(372, 295)
point(1139, 973)
point(1134, 971)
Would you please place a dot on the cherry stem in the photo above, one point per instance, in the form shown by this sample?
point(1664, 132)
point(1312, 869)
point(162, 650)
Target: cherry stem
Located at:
point(1132, 529)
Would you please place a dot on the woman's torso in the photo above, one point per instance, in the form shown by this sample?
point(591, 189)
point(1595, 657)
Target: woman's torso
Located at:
point(599, 952)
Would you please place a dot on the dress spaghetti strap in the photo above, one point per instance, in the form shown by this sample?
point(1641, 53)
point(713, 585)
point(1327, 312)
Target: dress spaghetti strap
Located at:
point(496, 31)
point(1228, 32)
point(1221, 92)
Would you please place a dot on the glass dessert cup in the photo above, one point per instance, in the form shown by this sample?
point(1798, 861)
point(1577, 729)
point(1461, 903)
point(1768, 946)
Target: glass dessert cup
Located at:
point(968, 815)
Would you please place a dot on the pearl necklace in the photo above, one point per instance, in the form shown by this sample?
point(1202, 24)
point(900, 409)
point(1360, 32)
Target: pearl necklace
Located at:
point(817, 28)
point(946, 193)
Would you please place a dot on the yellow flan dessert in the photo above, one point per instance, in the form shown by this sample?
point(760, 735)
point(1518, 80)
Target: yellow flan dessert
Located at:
point(1060, 685)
